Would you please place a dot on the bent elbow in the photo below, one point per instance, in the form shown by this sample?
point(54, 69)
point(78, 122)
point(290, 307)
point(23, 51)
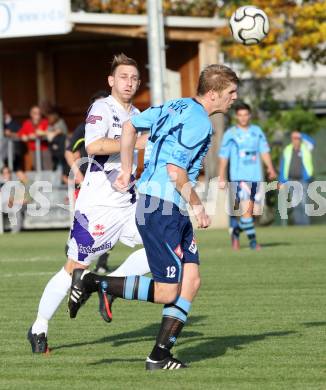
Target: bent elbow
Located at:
point(171, 169)
point(90, 149)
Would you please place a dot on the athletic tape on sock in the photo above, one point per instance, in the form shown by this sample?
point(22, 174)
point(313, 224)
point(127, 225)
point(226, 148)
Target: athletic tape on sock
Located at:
point(143, 288)
point(179, 309)
point(139, 287)
point(129, 287)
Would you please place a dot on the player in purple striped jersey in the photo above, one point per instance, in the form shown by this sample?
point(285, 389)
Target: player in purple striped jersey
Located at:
point(102, 215)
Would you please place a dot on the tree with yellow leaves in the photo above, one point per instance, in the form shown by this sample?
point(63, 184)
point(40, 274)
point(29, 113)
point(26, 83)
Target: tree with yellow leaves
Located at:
point(206, 8)
point(297, 33)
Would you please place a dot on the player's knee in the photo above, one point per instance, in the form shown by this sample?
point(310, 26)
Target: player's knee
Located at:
point(193, 286)
point(196, 283)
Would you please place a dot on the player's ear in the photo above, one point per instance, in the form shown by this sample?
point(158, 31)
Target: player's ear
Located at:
point(111, 81)
point(138, 85)
point(212, 95)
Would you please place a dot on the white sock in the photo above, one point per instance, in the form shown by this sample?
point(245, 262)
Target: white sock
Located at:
point(135, 264)
point(52, 296)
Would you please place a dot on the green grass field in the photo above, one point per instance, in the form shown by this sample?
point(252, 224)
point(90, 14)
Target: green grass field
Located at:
point(258, 323)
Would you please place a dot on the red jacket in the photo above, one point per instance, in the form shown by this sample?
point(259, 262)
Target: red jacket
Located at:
point(28, 128)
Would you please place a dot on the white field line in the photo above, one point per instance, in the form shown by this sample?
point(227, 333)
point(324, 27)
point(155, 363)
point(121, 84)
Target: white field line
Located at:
point(28, 259)
point(26, 274)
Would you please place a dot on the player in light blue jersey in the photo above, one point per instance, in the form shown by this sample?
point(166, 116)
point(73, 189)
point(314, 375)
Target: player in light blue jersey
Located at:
point(174, 139)
point(243, 147)
point(180, 132)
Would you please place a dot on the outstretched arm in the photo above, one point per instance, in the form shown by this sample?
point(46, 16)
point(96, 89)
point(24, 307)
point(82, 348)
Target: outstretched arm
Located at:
point(105, 146)
point(128, 142)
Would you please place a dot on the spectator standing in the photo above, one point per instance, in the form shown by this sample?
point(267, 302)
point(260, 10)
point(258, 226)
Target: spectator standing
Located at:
point(56, 136)
point(297, 165)
point(33, 128)
point(11, 129)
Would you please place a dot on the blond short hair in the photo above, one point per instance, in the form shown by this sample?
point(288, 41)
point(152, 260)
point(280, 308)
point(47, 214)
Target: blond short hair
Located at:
point(215, 77)
point(122, 59)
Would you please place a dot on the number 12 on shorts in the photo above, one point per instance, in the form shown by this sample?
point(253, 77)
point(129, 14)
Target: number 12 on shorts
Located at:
point(170, 272)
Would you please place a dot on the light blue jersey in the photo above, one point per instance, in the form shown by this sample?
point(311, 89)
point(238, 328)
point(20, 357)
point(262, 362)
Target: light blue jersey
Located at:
point(243, 148)
point(180, 133)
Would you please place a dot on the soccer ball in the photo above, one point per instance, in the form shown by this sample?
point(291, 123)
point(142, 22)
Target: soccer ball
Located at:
point(249, 25)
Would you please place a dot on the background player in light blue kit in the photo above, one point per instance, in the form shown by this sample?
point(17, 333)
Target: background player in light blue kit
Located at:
point(180, 133)
point(243, 147)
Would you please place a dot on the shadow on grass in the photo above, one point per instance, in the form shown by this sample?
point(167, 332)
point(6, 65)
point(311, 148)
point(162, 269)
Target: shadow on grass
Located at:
point(201, 348)
point(272, 244)
point(147, 333)
point(316, 323)
point(208, 347)
point(116, 360)
point(213, 347)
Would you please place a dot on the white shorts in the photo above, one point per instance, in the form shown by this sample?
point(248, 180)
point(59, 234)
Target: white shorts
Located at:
point(97, 230)
point(244, 191)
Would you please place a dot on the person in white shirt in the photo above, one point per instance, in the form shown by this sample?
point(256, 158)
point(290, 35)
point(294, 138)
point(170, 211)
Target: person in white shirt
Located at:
point(102, 216)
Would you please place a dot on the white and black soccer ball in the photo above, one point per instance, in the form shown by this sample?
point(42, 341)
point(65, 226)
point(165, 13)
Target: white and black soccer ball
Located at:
point(249, 25)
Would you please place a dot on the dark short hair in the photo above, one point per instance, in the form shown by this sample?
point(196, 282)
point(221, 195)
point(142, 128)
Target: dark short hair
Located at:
point(35, 106)
point(242, 106)
point(98, 95)
point(215, 77)
point(3, 169)
point(122, 59)
point(53, 111)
